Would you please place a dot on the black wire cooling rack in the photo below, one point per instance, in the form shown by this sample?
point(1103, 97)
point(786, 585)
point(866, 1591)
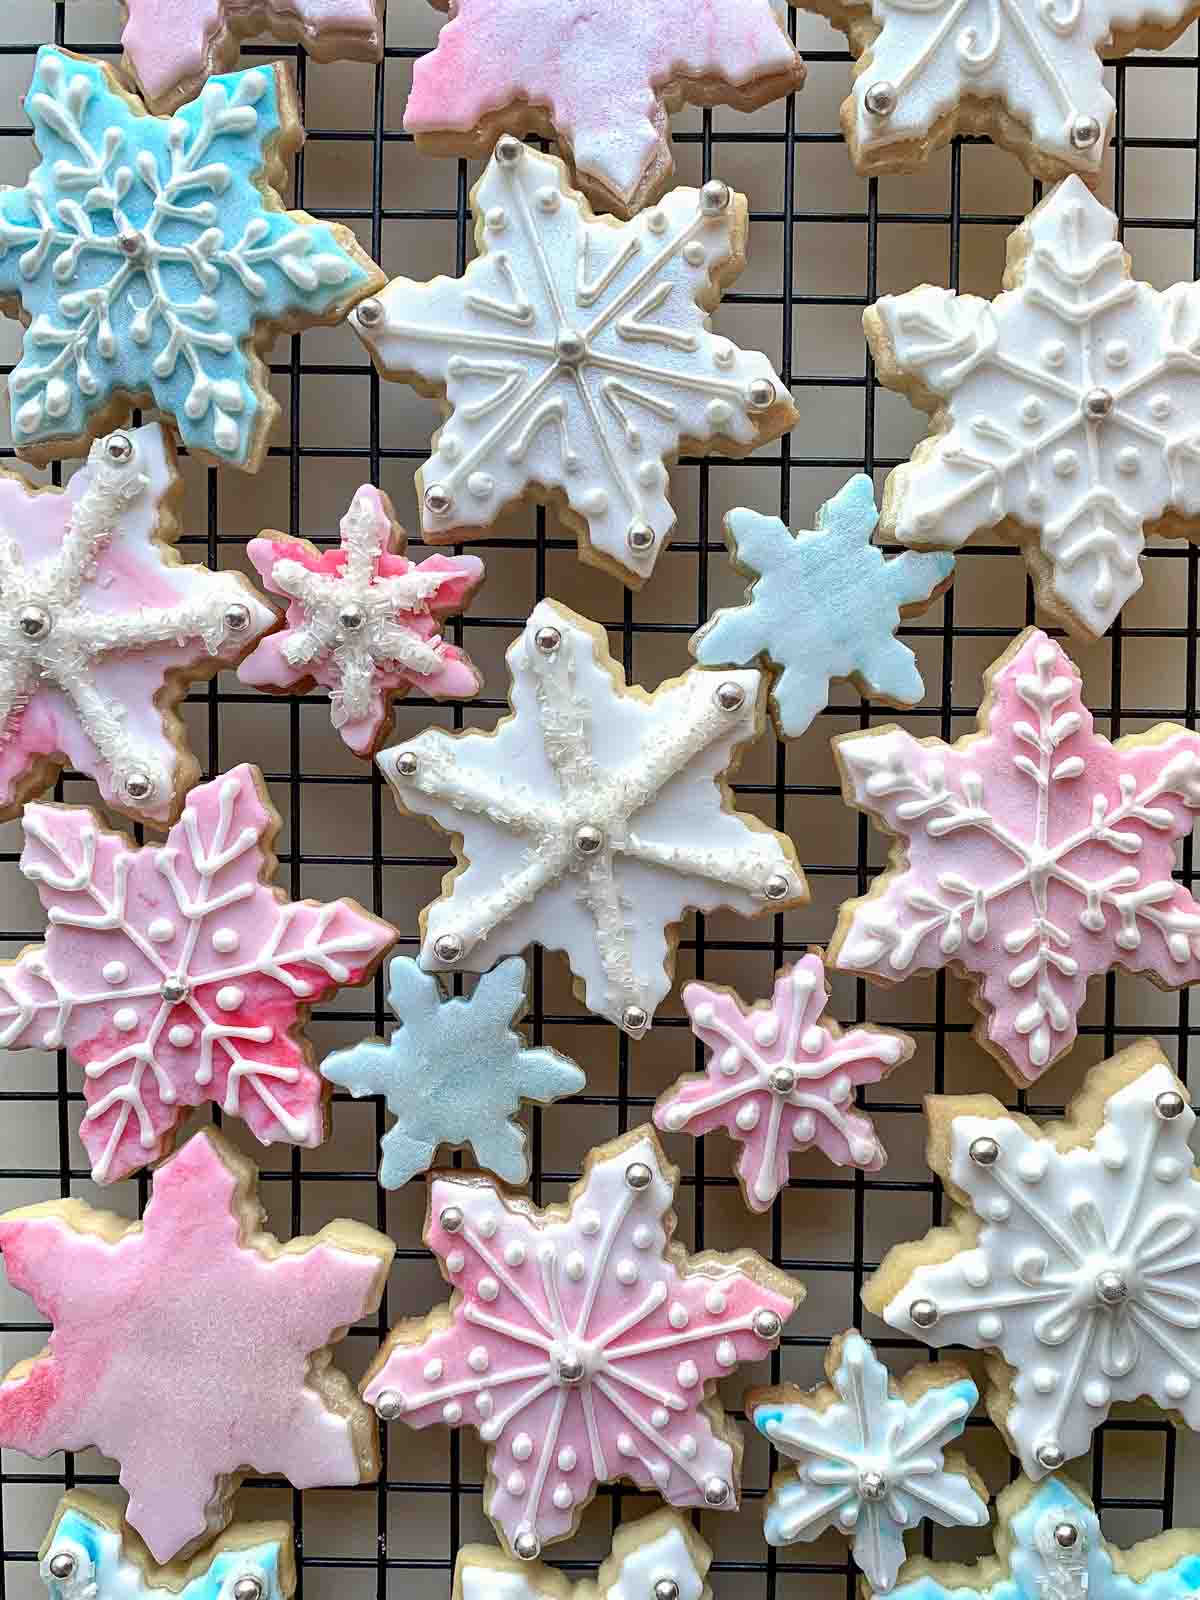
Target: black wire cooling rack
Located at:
point(823, 245)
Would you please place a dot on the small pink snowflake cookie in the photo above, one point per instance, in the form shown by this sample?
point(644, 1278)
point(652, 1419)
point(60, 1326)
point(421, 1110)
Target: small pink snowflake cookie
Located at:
point(173, 46)
point(599, 79)
point(581, 1343)
point(1031, 856)
point(192, 1346)
point(175, 975)
point(362, 621)
point(781, 1077)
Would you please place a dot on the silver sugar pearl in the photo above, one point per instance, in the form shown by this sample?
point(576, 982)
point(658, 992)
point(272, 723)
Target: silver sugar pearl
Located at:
point(451, 1219)
point(34, 622)
point(760, 394)
point(547, 640)
point(635, 1019)
point(640, 536)
point(369, 313)
point(570, 346)
point(638, 1175)
point(438, 500)
point(1066, 1535)
point(984, 1152)
point(1169, 1105)
point(138, 785)
point(782, 1080)
point(776, 887)
point(508, 151)
point(448, 947)
point(716, 1492)
point(1097, 403)
point(237, 618)
point(1049, 1455)
point(118, 447)
point(588, 839)
point(527, 1545)
point(407, 763)
point(767, 1324)
point(666, 1589)
point(351, 617)
point(62, 1565)
point(729, 696)
point(247, 1588)
point(923, 1313)
point(872, 1485)
point(571, 1371)
point(174, 989)
point(1111, 1288)
point(715, 197)
point(131, 243)
point(1085, 131)
point(388, 1406)
point(881, 98)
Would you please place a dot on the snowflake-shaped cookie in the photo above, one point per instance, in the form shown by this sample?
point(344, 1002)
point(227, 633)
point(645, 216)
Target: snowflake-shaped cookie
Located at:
point(172, 46)
point(1076, 1256)
point(822, 605)
point(362, 620)
point(576, 359)
point(455, 1072)
point(1065, 409)
point(151, 258)
point(867, 1455)
point(102, 628)
point(174, 974)
point(592, 817)
point(192, 1346)
point(781, 1077)
point(659, 1557)
point(1031, 856)
point(503, 65)
point(581, 1343)
point(90, 1554)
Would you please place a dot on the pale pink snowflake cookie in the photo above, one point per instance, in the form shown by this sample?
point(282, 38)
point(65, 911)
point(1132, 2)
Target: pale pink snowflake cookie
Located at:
point(174, 974)
point(781, 1077)
point(173, 46)
point(192, 1346)
point(600, 80)
point(1031, 856)
point(581, 1343)
point(362, 620)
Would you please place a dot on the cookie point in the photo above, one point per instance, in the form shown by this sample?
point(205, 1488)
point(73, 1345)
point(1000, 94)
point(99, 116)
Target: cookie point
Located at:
point(635, 1020)
point(388, 1405)
point(760, 394)
point(509, 150)
point(923, 1313)
point(716, 1492)
point(881, 98)
point(62, 1565)
point(1085, 132)
point(248, 1588)
point(407, 763)
point(640, 536)
point(369, 313)
point(984, 1152)
point(118, 448)
point(715, 197)
point(1169, 1105)
point(527, 1545)
point(1049, 1455)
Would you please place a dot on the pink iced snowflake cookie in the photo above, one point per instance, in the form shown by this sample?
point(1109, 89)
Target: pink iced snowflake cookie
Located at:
point(599, 79)
point(173, 46)
point(1031, 856)
point(362, 620)
point(582, 1343)
point(192, 1346)
point(781, 1077)
point(174, 973)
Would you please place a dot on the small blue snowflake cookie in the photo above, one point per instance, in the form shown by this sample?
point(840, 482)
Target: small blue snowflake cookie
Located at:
point(865, 1455)
point(823, 605)
point(455, 1072)
point(151, 259)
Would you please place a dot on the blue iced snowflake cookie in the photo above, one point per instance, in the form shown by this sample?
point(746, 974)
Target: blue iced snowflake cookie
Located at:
point(865, 1455)
point(455, 1072)
point(151, 258)
point(822, 605)
point(90, 1554)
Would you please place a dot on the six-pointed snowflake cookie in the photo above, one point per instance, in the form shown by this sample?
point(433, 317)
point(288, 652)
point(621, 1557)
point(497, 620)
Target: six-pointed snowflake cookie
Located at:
point(582, 1343)
point(102, 628)
point(659, 1557)
point(362, 620)
point(175, 975)
point(780, 1077)
point(576, 360)
point(1064, 410)
point(151, 260)
point(91, 1554)
point(455, 1072)
point(866, 1455)
point(173, 46)
point(592, 817)
point(600, 80)
point(1030, 856)
point(1071, 1254)
point(192, 1346)
point(822, 605)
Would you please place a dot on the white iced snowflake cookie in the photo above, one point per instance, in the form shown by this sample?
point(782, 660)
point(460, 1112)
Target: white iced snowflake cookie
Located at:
point(1071, 1255)
point(660, 1557)
point(575, 359)
point(1064, 410)
point(592, 817)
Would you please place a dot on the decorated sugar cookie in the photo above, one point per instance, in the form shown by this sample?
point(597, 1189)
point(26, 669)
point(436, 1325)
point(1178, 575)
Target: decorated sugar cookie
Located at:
point(504, 66)
point(91, 1554)
point(1030, 856)
point(659, 1557)
point(1071, 1254)
point(865, 1454)
point(822, 605)
point(172, 46)
point(454, 1072)
point(780, 1077)
point(362, 620)
point(192, 1346)
point(581, 1343)
point(151, 259)
point(576, 359)
point(103, 627)
point(175, 974)
point(592, 817)
point(1064, 410)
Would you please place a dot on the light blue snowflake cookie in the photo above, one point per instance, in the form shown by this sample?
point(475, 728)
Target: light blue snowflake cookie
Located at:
point(1049, 1547)
point(866, 1455)
point(151, 257)
point(455, 1072)
point(822, 605)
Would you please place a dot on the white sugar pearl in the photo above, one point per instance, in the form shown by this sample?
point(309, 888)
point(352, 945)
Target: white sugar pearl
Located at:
point(659, 1417)
point(455, 1261)
point(230, 997)
point(433, 1370)
point(161, 930)
point(747, 1116)
point(125, 1020)
point(715, 1303)
point(479, 1360)
point(766, 1030)
point(514, 1253)
point(488, 1223)
point(522, 1447)
point(677, 1316)
point(1177, 1385)
point(726, 1353)
point(574, 1266)
point(488, 1288)
point(226, 940)
point(590, 1224)
point(627, 1272)
point(563, 1497)
point(114, 972)
point(643, 1236)
point(1045, 1380)
point(567, 1459)
point(515, 1483)
point(687, 1375)
point(688, 1448)
point(452, 1413)
point(181, 1035)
